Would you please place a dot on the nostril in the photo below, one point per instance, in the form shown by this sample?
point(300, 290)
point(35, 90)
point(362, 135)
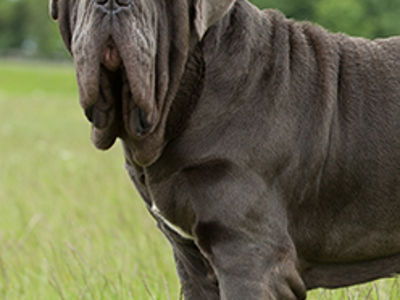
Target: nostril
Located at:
point(113, 4)
point(123, 2)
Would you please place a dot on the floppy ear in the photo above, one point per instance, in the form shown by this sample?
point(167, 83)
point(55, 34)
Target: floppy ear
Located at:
point(53, 9)
point(60, 11)
point(209, 12)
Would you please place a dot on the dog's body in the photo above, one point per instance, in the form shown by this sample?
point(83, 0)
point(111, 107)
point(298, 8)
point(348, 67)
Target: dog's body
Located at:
point(270, 155)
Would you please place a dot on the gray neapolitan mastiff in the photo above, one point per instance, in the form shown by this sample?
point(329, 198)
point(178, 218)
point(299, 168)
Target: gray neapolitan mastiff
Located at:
point(267, 150)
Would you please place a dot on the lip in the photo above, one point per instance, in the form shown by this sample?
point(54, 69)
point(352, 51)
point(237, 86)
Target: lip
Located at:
point(111, 58)
point(115, 106)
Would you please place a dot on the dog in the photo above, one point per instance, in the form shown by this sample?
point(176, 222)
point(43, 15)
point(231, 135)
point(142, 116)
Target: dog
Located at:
point(268, 150)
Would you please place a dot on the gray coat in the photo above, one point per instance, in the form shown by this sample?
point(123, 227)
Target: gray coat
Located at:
point(268, 150)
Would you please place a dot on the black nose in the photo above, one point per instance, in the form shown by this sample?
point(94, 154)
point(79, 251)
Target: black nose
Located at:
point(113, 5)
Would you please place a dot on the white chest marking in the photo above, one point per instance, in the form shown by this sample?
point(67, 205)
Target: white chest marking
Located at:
point(171, 226)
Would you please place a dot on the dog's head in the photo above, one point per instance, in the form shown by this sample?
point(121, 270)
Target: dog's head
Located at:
point(130, 56)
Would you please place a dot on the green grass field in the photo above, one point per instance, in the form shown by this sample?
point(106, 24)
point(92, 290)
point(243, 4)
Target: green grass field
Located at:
point(71, 224)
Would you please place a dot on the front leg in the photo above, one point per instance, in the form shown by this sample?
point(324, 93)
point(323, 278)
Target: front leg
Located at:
point(197, 277)
point(247, 267)
point(241, 228)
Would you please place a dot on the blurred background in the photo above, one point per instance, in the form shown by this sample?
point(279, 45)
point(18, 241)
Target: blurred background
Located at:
point(27, 31)
point(71, 223)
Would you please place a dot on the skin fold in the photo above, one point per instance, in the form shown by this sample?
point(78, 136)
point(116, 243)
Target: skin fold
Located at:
point(267, 150)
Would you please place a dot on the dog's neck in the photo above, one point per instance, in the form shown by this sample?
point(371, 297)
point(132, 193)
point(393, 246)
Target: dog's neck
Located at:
point(189, 92)
point(233, 35)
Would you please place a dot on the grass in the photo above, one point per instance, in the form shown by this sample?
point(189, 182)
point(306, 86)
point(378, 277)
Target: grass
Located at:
point(71, 223)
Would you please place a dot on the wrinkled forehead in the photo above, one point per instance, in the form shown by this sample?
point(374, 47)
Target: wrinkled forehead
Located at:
point(116, 6)
point(125, 15)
